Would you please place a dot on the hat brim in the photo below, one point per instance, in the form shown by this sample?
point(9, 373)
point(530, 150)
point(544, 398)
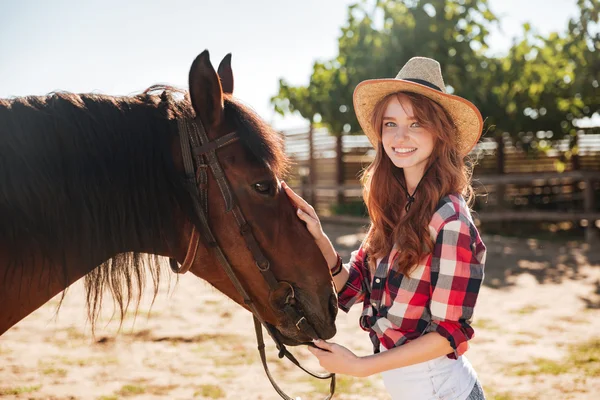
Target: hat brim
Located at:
point(464, 114)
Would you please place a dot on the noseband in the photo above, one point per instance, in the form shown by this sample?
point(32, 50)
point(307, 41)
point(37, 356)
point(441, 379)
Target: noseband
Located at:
point(199, 154)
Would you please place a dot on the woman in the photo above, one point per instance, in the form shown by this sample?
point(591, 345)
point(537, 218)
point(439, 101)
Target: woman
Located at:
point(420, 267)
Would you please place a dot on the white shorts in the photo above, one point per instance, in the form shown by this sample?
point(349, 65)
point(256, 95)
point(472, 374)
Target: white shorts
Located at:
point(438, 379)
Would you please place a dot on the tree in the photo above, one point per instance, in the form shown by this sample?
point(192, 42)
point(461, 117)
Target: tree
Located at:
point(378, 39)
point(535, 94)
point(545, 84)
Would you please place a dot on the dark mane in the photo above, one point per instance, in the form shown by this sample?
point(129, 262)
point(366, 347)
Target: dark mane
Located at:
point(82, 175)
point(258, 137)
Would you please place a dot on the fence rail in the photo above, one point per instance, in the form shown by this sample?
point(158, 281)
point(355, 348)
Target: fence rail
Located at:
point(558, 186)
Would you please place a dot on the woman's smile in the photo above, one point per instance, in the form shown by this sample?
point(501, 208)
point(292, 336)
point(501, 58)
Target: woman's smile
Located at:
point(404, 151)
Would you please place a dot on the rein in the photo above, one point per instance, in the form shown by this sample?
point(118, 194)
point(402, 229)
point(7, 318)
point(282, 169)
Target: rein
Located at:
point(199, 155)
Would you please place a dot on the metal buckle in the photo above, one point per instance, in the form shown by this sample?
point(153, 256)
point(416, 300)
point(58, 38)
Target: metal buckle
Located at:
point(298, 323)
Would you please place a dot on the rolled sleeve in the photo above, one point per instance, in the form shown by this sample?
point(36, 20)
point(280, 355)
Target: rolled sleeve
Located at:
point(457, 266)
point(354, 289)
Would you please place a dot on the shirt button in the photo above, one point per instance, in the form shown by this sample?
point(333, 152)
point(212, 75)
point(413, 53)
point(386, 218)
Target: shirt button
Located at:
point(377, 280)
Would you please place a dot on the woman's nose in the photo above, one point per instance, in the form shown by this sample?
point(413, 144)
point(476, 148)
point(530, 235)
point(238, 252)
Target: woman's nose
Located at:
point(400, 134)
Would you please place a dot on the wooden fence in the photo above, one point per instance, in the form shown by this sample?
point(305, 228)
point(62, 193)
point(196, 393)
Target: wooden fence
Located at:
point(552, 187)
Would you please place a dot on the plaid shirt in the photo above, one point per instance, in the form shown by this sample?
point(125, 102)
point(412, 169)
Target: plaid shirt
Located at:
point(438, 296)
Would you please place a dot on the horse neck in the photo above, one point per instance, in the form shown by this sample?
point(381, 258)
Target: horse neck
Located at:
point(94, 208)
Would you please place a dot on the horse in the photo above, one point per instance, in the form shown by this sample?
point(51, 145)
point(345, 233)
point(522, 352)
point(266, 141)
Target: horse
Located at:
point(100, 187)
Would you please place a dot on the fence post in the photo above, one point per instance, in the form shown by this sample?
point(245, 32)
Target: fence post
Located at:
point(312, 170)
point(500, 188)
point(574, 147)
point(339, 166)
point(592, 235)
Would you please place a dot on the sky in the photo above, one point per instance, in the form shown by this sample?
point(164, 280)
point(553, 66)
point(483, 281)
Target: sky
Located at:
point(123, 47)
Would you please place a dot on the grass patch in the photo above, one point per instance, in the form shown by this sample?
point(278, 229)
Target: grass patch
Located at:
point(111, 397)
point(210, 391)
point(586, 357)
point(239, 356)
point(530, 309)
point(522, 342)
point(573, 320)
point(19, 390)
point(343, 384)
point(485, 323)
point(83, 362)
point(541, 366)
point(214, 339)
point(501, 396)
point(131, 390)
point(530, 335)
point(57, 372)
point(492, 394)
point(74, 334)
point(582, 359)
point(160, 390)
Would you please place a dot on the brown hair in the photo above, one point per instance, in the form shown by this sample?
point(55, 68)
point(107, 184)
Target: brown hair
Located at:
point(385, 198)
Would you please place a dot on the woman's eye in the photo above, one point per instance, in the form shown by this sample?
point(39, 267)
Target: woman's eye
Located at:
point(415, 125)
point(263, 187)
point(389, 124)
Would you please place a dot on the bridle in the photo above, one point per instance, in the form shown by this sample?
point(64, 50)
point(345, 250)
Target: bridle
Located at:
point(199, 155)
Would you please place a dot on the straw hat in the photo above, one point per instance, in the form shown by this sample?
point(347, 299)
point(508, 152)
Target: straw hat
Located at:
point(423, 76)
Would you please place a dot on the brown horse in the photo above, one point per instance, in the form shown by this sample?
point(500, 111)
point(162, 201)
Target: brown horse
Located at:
point(94, 186)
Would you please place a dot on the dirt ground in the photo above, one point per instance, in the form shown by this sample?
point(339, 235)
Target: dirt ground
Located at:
point(537, 337)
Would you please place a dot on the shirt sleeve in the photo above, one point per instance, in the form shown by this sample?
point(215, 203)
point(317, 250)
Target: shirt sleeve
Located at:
point(354, 289)
point(457, 266)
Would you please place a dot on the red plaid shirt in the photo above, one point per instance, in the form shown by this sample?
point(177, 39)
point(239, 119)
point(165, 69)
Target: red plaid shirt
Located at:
point(438, 296)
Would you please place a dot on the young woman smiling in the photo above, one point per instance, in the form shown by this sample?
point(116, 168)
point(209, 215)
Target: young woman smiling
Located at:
point(420, 267)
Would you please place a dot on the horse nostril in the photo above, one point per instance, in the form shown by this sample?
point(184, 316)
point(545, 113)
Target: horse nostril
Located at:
point(333, 304)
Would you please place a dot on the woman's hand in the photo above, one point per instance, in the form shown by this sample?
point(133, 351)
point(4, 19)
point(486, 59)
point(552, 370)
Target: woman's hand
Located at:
point(337, 359)
point(306, 213)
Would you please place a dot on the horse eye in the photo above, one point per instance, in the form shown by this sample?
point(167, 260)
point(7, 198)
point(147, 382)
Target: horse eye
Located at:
point(262, 187)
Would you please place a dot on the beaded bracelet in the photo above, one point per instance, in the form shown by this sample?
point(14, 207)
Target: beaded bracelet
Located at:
point(338, 266)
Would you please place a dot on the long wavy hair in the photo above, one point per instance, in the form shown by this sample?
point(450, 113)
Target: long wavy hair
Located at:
point(386, 200)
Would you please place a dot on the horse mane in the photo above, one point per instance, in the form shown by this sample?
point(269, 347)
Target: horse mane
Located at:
point(84, 175)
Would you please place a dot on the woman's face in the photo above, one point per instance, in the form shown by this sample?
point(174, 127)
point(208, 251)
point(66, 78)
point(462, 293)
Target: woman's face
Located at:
point(405, 142)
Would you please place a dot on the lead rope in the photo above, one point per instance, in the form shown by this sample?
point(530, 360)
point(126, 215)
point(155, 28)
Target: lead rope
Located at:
point(284, 352)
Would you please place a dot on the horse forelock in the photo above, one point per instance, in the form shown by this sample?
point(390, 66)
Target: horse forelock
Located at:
point(265, 144)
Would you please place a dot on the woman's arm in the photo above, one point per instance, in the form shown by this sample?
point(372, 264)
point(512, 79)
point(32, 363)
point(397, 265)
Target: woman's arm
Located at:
point(330, 254)
point(424, 348)
point(338, 359)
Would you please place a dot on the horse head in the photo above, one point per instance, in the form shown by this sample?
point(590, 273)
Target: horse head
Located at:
point(253, 226)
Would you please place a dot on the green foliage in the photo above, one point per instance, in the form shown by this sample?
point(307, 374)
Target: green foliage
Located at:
point(542, 84)
point(352, 208)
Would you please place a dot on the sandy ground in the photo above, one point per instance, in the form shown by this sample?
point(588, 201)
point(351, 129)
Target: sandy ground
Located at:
point(537, 337)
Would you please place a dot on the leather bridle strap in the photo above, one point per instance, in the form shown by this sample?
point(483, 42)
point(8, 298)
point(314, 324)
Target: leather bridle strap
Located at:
point(195, 146)
point(197, 132)
point(284, 352)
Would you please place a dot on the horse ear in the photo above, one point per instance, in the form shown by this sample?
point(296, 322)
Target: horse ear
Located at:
point(226, 74)
point(205, 91)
